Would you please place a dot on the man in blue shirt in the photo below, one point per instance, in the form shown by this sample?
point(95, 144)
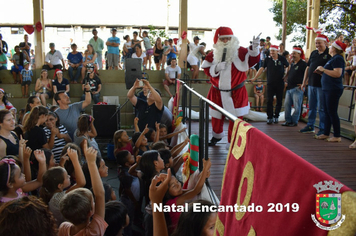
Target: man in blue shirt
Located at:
point(113, 44)
point(75, 60)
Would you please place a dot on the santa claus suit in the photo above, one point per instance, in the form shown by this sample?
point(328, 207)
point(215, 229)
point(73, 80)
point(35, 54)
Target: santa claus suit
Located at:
point(228, 89)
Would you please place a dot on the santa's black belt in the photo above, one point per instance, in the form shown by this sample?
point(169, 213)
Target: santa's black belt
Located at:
point(229, 90)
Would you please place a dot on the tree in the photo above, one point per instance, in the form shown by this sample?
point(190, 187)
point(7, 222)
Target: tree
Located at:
point(153, 34)
point(336, 16)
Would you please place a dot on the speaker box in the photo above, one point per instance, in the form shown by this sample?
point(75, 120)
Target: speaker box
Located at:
point(132, 71)
point(107, 120)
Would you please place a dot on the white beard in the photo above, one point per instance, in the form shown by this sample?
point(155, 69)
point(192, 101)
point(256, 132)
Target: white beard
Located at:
point(231, 50)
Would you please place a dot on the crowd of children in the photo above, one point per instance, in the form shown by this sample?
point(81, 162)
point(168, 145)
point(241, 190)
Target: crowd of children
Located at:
point(63, 192)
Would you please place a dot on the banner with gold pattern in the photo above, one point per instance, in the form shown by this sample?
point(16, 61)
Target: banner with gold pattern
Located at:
point(270, 190)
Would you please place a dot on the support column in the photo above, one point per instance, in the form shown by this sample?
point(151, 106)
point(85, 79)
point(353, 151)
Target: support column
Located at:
point(183, 26)
point(313, 13)
point(39, 36)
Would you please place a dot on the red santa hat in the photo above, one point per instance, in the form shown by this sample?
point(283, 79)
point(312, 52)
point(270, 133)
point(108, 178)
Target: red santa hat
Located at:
point(56, 72)
point(300, 51)
point(274, 47)
point(222, 32)
point(339, 45)
point(322, 37)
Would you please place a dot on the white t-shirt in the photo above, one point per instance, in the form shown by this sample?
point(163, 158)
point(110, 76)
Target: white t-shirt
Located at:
point(192, 46)
point(172, 71)
point(128, 44)
point(143, 55)
point(55, 58)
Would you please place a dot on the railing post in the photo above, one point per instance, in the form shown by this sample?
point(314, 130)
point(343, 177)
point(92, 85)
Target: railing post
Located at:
point(201, 133)
point(206, 139)
point(352, 98)
point(190, 112)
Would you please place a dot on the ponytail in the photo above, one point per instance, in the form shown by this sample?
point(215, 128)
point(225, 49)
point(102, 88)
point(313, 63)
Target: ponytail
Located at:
point(34, 115)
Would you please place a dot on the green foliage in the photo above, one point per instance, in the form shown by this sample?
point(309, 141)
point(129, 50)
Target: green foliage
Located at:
point(336, 16)
point(154, 33)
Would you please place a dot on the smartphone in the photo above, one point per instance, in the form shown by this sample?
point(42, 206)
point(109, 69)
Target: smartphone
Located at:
point(140, 83)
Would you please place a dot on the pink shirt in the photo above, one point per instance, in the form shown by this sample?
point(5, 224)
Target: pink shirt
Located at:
point(96, 227)
point(128, 147)
point(173, 215)
point(20, 194)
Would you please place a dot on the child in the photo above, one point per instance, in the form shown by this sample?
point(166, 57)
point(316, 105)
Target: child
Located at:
point(34, 215)
point(169, 162)
point(163, 133)
point(86, 218)
point(67, 164)
point(102, 168)
point(122, 142)
point(55, 180)
point(130, 188)
point(176, 195)
point(152, 136)
point(117, 218)
point(203, 221)
point(12, 181)
point(127, 49)
point(259, 91)
point(25, 79)
point(140, 140)
point(148, 46)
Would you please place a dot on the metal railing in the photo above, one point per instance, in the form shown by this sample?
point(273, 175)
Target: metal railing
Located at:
point(204, 104)
point(351, 106)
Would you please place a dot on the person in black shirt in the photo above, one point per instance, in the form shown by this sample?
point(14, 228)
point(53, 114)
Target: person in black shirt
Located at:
point(275, 65)
point(294, 93)
point(150, 111)
point(4, 46)
point(318, 57)
point(94, 83)
point(25, 45)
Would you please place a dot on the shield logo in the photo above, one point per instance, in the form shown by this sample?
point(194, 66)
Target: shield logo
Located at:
point(328, 208)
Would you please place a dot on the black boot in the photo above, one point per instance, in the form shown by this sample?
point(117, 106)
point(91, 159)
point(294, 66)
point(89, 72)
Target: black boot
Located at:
point(213, 141)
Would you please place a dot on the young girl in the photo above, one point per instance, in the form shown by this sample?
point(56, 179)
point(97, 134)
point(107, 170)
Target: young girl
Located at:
point(148, 47)
point(86, 131)
point(176, 195)
point(33, 132)
point(204, 222)
point(140, 141)
point(259, 91)
point(67, 164)
point(130, 188)
point(102, 168)
point(12, 180)
point(55, 180)
point(57, 135)
point(32, 102)
point(122, 142)
point(116, 217)
point(164, 135)
point(127, 47)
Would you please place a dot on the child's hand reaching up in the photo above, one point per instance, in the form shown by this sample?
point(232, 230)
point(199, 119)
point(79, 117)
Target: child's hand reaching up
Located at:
point(145, 131)
point(156, 193)
point(40, 156)
point(136, 121)
point(206, 167)
point(138, 158)
point(90, 154)
point(73, 155)
point(27, 153)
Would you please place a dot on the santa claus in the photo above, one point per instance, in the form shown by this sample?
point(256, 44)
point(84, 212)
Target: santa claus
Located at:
point(226, 66)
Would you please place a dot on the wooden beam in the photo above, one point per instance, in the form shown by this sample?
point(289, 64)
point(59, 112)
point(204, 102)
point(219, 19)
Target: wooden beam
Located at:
point(39, 36)
point(284, 23)
point(183, 26)
point(313, 14)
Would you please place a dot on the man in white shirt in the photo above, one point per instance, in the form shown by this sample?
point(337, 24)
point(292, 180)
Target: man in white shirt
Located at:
point(172, 73)
point(53, 59)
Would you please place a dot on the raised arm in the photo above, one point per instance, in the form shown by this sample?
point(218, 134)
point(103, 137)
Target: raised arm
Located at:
point(79, 175)
point(87, 100)
point(98, 189)
point(131, 93)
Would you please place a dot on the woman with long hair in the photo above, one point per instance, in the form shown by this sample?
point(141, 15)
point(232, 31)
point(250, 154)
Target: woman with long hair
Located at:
point(33, 132)
point(90, 58)
point(9, 142)
point(158, 53)
point(331, 84)
point(32, 102)
point(43, 87)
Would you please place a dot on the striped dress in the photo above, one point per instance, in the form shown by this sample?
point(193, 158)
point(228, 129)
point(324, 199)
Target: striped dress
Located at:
point(58, 143)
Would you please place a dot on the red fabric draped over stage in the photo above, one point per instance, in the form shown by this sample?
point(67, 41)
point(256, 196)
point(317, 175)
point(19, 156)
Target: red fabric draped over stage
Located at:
point(260, 171)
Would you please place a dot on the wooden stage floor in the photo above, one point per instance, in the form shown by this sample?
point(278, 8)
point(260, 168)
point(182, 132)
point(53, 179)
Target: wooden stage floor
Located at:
point(336, 159)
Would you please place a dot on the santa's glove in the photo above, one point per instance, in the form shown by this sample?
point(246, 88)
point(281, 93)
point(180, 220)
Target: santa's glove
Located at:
point(255, 42)
point(220, 66)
